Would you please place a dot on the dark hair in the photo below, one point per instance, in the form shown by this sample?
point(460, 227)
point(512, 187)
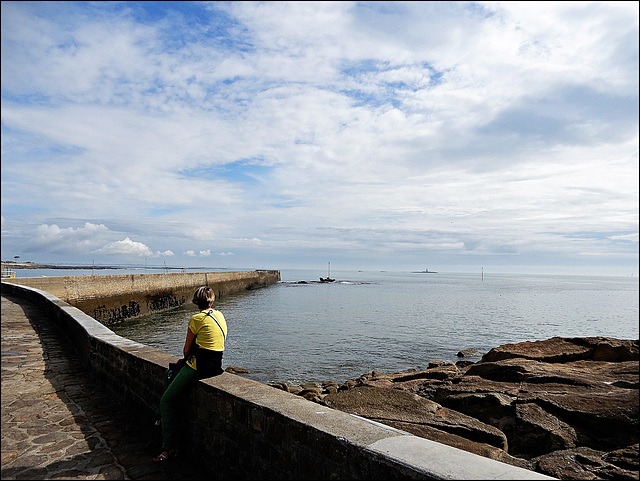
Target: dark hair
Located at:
point(203, 297)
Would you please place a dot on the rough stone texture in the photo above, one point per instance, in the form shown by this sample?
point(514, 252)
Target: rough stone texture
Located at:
point(566, 407)
point(58, 421)
point(561, 349)
point(469, 353)
point(413, 412)
point(587, 463)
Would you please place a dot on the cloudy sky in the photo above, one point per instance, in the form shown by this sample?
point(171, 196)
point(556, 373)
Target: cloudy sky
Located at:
point(452, 136)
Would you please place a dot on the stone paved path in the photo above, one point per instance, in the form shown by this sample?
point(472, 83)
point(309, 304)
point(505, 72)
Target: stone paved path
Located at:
point(58, 422)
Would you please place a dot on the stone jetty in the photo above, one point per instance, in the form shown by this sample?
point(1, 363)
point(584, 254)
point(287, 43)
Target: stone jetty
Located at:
point(565, 407)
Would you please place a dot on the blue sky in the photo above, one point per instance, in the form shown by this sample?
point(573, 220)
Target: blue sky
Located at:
point(452, 136)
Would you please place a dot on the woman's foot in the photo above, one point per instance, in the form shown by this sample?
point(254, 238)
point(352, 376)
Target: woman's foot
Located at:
point(165, 456)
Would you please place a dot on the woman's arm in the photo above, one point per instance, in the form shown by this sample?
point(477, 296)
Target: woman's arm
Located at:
point(189, 341)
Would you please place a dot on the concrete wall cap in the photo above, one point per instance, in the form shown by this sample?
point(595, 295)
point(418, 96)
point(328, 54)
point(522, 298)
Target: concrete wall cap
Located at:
point(439, 461)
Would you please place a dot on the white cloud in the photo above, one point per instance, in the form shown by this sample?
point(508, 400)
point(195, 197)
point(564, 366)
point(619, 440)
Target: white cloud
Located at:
point(53, 238)
point(317, 127)
point(125, 247)
point(626, 238)
point(202, 253)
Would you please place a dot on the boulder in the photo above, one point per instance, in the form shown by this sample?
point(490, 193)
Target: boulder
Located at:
point(594, 374)
point(392, 406)
point(281, 385)
point(625, 458)
point(583, 463)
point(566, 407)
point(438, 371)
point(237, 370)
point(585, 395)
point(560, 349)
point(469, 353)
point(606, 421)
point(494, 408)
point(441, 436)
point(539, 432)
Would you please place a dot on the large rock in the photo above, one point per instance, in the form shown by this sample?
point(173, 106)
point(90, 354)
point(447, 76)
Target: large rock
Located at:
point(392, 406)
point(587, 463)
point(567, 407)
point(539, 432)
point(563, 349)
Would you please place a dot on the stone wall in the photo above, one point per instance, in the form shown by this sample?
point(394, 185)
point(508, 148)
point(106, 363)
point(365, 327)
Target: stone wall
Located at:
point(114, 298)
point(248, 430)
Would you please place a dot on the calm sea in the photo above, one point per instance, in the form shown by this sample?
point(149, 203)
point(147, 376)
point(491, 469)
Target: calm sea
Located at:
point(393, 321)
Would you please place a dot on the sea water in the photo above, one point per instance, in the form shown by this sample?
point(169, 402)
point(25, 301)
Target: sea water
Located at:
point(302, 330)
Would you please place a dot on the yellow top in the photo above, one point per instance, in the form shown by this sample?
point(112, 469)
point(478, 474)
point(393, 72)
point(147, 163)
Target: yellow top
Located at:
point(208, 326)
point(210, 329)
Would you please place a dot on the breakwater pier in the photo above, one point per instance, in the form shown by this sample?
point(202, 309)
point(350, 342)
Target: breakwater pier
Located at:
point(116, 298)
point(57, 423)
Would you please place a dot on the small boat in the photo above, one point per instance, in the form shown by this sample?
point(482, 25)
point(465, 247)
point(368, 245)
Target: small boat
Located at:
point(328, 278)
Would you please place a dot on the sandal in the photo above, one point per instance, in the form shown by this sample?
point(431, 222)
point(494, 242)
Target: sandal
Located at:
point(165, 456)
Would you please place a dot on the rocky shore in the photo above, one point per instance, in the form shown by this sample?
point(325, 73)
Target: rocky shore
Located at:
point(565, 407)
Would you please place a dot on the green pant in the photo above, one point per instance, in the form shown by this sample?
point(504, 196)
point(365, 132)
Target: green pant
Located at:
point(170, 405)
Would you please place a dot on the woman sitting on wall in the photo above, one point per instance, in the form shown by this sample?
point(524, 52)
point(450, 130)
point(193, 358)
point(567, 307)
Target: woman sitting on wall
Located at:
point(202, 351)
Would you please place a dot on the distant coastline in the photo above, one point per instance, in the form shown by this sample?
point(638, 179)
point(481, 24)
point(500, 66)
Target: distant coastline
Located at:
point(11, 265)
point(32, 265)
